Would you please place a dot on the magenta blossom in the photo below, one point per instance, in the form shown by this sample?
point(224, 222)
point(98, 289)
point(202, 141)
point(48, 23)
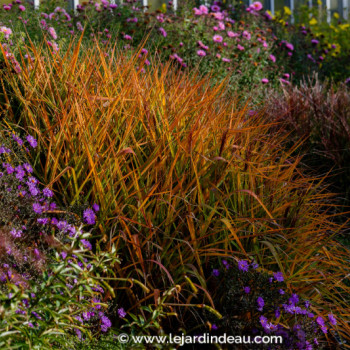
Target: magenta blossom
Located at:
point(272, 58)
point(217, 38)
point(256, 6)
point(264, 80)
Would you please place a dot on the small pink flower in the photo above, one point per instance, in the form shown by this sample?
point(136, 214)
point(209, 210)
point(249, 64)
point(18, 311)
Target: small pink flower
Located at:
point(163, 32)
point(226, 59)
point(221, 25)
point(7, 7)
point(127, 37)
point(218, 38)
point(272, 58)
point(289, 46)
point(231, 34)
point(52, 33)
point(219, 16)
point(218, 55)
point(204, 47)
point(203, 9)
point(264, 80)
point(256, 6)
point(201, 53)
point(246, 35)
point(283, 81)
point(197, 12)
point(286, 75)
point(240, 47)
point(21, 8)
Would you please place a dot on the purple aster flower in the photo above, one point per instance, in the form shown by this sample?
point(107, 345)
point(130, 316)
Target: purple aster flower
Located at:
point(121, 312)
point(294, 299)
point(214, 327)
point(32, 141)
point(9, 168)
point(62, 225)
point(16, 233)
point(87, 315)
point(261, 303)
point(314, 41)
point(106, 323)
point(98, 288)
point(78, 318)
point(78, 332)
point(332, 319)
point(86, 244)
point(263, 320)
point(17, 139)
point(278, 276)
point(277, 313)
point(28, 167)
point(36, 315)
point(215, 272)
point(3, 149)
point(163, 32)
point(37, 208)
point(47, 193)
point(89, 216)
point(254, 265)
point(243, 265)
point(96, 301)
point(64, 255)
point(34, 191)
point(307, 304)
point(320, 321)
point(95, 207)
point(246, 290)
point(43, 221)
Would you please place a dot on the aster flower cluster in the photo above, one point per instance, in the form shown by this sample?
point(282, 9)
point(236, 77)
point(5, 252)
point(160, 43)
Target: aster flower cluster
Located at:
point(40, 246)
point(247, 288)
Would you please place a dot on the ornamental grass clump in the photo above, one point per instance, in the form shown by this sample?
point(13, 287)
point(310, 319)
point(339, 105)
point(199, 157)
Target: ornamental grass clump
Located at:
point(320, 113)
point(182, 177)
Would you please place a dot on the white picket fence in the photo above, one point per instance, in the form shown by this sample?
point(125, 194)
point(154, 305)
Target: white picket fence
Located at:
point(342, 7)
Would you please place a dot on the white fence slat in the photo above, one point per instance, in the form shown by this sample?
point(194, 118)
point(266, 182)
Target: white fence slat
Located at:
point(345, 9)
point(328, 6)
